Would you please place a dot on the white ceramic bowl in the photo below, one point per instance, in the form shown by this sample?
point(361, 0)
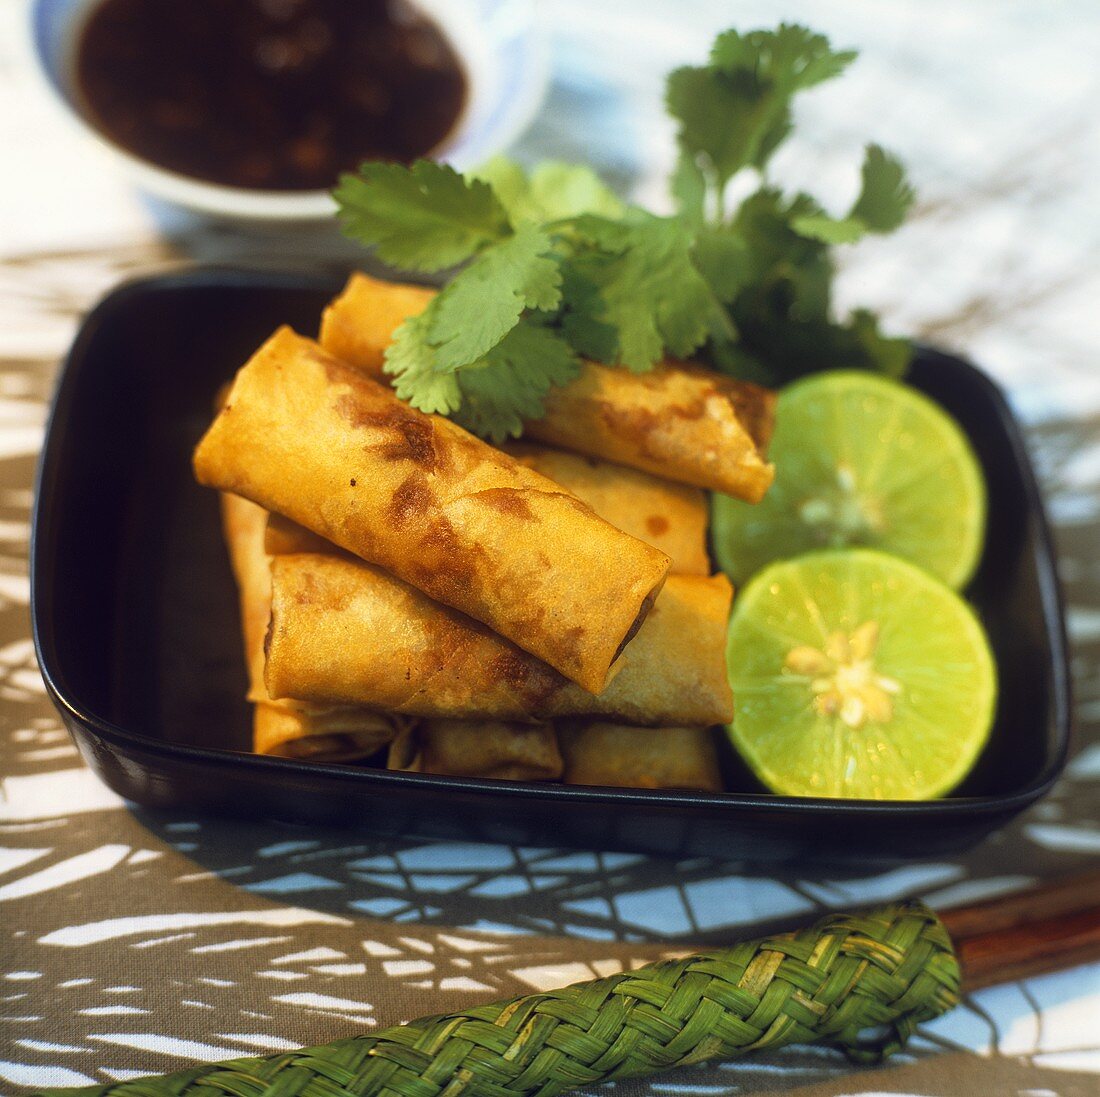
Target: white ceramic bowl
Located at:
point(501, 43)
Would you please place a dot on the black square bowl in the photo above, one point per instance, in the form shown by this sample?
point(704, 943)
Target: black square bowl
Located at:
point(135, 619)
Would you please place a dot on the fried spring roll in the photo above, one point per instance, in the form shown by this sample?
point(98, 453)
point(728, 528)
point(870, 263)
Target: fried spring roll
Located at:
point(244, 525)
point(678, 421)
point(610, 754)
point(286, 728)
point(508, 752)
point(307, 436)
point(346, 633)
point(338, 735)
point(359, 324)
point(671, 517)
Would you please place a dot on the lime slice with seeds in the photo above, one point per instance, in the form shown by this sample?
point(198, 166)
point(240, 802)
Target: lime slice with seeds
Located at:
point(860, 460)
point(857, 675)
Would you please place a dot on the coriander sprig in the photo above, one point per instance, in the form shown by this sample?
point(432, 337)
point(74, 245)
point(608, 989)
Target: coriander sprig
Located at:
point(555, 267)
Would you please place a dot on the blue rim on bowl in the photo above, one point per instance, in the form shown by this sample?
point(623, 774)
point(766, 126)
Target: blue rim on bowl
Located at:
point(501, 42)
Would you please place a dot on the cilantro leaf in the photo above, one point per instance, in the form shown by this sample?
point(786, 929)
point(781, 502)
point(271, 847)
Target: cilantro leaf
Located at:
point(788, 347)
point(556, 267)
point(585, 332)
point(720, 119)
point(689, 187)
point(730, 357)
point(491, 396)
point(886, 196)
point(787, 271)
point(789, 58)
point(781, 312)
point(887, 354)
point(650, 290)
point(820, 226)
point(884, 199)
point(510, 383)
point(735, 110)
point(569, 190)
point(724, 260)
point(426, 217)
point(509, 183)
point(410, 360)
point(781, 62)
point(553, 191)
point(482, 303)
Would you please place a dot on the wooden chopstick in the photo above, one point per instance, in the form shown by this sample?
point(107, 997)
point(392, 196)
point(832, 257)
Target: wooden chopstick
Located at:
point(1043, 929)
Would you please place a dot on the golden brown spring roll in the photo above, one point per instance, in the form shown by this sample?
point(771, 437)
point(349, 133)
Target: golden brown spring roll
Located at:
point(671, 517)
point(359, 324)
point(244, 525)
point(337, 735)
point(286, 728)
point(679, 421)
point(461, 748)
point(306, 436)
point(610, 754)
point(346, 633)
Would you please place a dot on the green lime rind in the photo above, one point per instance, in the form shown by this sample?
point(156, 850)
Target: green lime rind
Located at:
point(861, 460)
point(930, 643)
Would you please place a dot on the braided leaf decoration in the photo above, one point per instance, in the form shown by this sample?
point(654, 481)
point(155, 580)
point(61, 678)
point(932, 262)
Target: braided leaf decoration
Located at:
point(883, 971)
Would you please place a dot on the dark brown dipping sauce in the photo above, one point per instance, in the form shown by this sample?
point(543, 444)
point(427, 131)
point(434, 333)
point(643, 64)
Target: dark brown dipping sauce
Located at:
point(269, 94)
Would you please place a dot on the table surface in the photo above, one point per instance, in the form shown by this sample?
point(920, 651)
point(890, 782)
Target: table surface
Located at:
point(133, 943)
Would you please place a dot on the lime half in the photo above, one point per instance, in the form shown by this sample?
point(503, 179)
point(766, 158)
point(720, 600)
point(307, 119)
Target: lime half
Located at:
point(860, 460)
point(857, 675)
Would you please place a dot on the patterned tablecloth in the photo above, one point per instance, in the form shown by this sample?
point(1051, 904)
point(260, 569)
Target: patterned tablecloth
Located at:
point(133, 943)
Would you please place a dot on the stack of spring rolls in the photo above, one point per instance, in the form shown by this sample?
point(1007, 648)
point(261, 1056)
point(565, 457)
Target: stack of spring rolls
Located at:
point(541, 611)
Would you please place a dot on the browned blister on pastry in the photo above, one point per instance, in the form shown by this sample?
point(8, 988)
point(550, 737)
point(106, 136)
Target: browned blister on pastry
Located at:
point(678, 421)
point(308, 437)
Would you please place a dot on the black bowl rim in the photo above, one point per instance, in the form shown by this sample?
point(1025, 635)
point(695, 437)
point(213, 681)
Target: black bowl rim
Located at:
point(50, 469)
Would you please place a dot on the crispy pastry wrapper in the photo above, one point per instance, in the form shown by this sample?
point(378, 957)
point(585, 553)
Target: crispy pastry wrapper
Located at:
point(306, 436)
point(630, 757)
point(337, 735)
point(463, 748)
point(244, 525)
point(284, 538)
point(678, 421)
point(286, 728)
point(359, 324)
point(344, 632)
point(671, 517)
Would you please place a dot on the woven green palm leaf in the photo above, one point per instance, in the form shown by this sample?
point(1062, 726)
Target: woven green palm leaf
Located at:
point(882, 972)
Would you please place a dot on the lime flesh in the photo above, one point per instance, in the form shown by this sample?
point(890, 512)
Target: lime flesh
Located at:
point(860, 460)
point(857, 675)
